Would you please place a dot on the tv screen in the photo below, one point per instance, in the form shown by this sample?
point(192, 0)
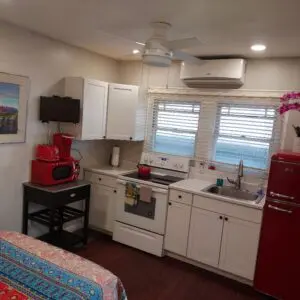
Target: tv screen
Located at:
point(59, 109)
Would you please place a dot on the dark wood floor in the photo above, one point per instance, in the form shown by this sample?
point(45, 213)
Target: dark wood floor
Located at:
point(148, 277)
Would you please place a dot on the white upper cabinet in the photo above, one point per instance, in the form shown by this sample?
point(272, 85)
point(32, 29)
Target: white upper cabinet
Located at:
point(239, 247)
point(126, 116)
point(93, 105)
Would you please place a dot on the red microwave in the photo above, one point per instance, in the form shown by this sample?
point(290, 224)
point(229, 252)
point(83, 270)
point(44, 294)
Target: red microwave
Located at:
point(51, 173)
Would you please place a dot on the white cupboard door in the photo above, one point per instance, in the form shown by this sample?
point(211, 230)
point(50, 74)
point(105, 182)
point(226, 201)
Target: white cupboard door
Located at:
point(239, 247)
point(205, 236)
point(102, 207)
point(94, 110)
point(177, 231)
point(122, 105)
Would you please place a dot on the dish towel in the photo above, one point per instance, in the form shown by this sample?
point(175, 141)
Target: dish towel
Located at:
point(145, 194)
point(131, 194)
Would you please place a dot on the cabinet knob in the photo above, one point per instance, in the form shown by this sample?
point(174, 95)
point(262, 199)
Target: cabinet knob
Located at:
point(130, 138)
point(170, 203)
point(73, 195)
point(179, 196)
point(115, 191)
point(226, 219)
point(99, 178)
point(221, 218)
point(104, 136)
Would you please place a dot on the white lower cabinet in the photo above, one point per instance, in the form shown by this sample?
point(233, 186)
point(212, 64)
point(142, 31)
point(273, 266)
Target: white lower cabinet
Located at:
point(239, 247)
point(102, 207)
point(177, 230)
point(205, 237)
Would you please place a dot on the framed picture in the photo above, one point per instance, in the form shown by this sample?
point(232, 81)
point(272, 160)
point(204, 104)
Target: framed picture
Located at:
point(14, 94)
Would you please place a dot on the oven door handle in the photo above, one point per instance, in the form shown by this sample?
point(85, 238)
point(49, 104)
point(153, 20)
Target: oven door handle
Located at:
point(154, 189)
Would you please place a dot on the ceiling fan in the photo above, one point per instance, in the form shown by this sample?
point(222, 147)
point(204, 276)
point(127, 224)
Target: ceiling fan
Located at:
point(158, 51)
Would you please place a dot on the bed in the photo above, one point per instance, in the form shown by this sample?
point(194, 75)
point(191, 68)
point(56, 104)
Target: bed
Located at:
point(31, 269)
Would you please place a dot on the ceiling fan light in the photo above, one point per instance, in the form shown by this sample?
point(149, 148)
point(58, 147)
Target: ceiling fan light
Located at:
point(157, 61)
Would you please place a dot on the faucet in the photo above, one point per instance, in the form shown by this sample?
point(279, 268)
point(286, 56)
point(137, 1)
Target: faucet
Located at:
point(240, 174)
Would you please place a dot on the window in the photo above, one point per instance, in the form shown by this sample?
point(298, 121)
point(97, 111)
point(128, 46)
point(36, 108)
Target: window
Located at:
point(175, 127)
point(244, 132)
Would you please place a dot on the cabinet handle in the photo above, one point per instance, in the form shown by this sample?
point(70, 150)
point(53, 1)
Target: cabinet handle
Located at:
point(221, 218)
point(280, 209)
point(281, 196)
point(170, 203)
point(179, 196)
point(226, 219)
point(73, 195)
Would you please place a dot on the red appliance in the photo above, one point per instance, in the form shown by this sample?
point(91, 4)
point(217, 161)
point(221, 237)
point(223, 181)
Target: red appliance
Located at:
point(278, 262)
point(47, 153)
point(144, 171)
point(51, 173)
point(63, 142)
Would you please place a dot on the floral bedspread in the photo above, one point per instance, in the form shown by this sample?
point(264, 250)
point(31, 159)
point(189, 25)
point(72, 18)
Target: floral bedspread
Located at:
point(31, 269)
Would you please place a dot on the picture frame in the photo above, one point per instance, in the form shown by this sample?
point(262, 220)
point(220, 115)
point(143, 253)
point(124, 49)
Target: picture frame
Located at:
point(14, 95)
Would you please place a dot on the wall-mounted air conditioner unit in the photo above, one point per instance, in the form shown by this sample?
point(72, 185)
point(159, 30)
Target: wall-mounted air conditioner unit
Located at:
point(217, 73)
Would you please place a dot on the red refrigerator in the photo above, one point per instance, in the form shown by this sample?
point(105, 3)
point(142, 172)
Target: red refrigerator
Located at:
point(278, 263)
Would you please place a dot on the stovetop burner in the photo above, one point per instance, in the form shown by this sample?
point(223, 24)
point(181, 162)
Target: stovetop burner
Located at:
point(160, 179)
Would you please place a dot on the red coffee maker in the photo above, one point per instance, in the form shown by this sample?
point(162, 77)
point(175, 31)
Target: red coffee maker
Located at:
point(63, 142)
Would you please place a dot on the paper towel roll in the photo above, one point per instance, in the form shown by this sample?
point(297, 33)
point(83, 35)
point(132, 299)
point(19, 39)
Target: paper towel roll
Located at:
point(115, 158)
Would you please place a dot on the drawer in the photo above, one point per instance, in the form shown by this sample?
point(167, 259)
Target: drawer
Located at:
point(229, 209)
point(138, 238)
point(100, 179)
point(181, 197)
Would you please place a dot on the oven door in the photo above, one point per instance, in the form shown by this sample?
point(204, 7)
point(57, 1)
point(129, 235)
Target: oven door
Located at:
point(149, 216)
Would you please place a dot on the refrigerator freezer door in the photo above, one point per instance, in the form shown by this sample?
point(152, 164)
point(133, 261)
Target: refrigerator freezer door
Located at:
point(284, 181)
point(278, 263)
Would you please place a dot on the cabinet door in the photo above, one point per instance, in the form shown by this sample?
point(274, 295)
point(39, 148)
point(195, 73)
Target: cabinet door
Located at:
point(205, 236)
point(122, 105)
point(102, 208)
point(177, 231)
point(239, 247)
point(94, 110)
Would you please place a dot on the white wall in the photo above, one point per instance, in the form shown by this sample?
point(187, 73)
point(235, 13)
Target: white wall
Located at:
point(261, 74)
point(45, 62)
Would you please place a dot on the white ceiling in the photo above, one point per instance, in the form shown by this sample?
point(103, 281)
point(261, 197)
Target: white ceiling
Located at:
point(110, 27)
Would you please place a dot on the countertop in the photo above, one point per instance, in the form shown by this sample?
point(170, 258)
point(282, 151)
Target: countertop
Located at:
point(195, 186)
point(109, 170)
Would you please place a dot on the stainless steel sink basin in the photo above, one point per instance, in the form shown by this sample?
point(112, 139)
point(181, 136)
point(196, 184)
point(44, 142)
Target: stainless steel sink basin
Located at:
point(231, 192)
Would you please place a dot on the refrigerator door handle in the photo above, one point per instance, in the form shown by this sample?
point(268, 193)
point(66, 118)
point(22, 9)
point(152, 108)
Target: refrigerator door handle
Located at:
point(281, 196)
point(280, 209)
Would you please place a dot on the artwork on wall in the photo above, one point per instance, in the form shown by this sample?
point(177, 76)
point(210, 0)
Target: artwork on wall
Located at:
point(14, 94)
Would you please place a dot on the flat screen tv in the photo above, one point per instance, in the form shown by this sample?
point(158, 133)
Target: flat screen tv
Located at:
point(59, 109)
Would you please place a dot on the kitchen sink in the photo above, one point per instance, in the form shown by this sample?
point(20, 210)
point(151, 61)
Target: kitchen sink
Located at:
point(231, 192)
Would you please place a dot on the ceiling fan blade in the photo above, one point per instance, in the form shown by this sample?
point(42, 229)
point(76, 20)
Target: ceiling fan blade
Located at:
point(187, 57)
point(184, 43)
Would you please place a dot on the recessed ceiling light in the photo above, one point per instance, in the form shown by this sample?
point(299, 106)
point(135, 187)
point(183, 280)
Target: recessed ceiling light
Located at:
point(258, 47)
point(143, 44)
point(136, 51)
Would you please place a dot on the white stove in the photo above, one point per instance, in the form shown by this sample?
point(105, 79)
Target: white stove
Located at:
point(142, 224)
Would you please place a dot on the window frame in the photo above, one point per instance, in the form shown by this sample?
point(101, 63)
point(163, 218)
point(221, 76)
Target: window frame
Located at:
point(216, 135)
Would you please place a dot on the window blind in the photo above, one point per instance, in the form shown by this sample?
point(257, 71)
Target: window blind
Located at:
point(174, 127)
point(247, 132)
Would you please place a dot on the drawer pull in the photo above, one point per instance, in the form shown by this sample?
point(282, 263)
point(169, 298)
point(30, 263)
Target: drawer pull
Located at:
point(179, 196)
point(99, 178)
point(73, 195)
